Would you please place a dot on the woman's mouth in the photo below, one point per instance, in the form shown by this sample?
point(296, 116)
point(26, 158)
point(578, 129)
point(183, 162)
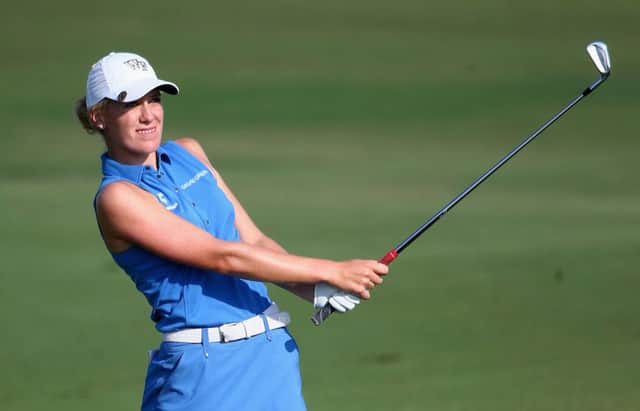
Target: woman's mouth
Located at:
point(146, 131)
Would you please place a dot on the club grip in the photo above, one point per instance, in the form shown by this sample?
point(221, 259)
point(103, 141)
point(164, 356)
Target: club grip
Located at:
point(323, 313)
point(389, 257)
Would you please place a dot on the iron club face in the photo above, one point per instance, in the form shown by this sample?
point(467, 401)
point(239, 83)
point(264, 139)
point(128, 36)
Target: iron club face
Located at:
point(599, 54)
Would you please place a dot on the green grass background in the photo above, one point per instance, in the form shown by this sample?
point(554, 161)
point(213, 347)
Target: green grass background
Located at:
point(341, 126)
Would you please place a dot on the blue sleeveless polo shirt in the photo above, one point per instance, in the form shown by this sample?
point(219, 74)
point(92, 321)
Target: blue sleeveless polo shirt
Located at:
point(182, 296)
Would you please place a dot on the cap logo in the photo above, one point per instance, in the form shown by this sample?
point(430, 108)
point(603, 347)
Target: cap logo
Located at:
point(122, 96)
point(135, 64)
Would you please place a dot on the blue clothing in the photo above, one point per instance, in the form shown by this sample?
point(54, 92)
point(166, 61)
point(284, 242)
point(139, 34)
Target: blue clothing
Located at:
point(247, 375)
point(260, 373)
point(181, 296)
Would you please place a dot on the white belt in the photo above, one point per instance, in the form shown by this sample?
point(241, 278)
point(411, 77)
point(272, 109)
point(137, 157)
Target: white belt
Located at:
point(272, 316)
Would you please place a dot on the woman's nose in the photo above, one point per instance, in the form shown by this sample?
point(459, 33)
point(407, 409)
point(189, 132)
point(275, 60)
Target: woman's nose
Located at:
point(145, 112)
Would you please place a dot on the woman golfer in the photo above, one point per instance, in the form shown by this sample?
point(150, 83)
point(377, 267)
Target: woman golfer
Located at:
point(170, 221)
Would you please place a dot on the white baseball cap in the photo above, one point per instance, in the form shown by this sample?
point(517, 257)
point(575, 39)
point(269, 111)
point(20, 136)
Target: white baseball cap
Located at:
point(123, 77)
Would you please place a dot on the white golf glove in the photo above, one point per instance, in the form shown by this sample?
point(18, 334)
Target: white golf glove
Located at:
point(340, 300)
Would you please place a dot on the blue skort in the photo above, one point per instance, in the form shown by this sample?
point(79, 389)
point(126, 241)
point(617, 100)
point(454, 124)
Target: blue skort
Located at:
point(259, 373)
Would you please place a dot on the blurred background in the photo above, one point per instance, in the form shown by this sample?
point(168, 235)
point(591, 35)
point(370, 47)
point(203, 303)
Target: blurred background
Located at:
point(342, 126)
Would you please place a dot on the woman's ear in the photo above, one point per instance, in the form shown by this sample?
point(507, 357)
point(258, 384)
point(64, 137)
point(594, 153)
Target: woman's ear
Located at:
point(97, 119)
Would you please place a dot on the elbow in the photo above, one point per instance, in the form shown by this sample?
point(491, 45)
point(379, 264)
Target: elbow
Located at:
point(225, 265)
point(228, 259)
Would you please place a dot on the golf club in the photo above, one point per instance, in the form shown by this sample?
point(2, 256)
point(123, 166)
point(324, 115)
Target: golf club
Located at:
point(599, 54)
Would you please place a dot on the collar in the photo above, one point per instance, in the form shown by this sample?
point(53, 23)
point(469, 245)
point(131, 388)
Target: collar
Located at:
point(132, 172)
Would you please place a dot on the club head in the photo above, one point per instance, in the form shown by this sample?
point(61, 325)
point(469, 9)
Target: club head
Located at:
point(599, 54)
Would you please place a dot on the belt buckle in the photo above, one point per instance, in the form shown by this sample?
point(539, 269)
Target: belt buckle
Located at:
point(233, 331)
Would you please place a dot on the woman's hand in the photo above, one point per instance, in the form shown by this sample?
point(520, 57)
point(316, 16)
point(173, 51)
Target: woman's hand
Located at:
point(356, 276)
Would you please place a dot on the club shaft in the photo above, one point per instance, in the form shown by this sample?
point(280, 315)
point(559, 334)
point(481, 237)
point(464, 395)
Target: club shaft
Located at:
point(323, 313)
point(411, 238)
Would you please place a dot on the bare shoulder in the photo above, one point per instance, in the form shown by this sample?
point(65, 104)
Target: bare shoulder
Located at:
point(117, 196)
point(194, 147)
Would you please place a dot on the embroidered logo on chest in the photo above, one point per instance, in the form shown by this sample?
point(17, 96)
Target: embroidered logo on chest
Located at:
point(194, 179)
point(165, 202)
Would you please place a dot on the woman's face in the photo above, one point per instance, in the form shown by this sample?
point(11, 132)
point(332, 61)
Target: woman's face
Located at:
point(133, 131)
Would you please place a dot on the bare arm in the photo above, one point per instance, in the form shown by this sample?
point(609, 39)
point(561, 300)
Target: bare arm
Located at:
point(302, 290)
point(130, 215)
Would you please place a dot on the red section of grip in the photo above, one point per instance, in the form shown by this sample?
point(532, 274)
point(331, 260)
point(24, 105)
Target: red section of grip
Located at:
point(389, 257)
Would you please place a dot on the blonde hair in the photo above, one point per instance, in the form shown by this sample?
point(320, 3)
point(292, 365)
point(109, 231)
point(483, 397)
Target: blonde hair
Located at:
point(84, 114)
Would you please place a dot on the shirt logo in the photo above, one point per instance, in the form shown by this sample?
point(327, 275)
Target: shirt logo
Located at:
point(135, 64)
point(165, 202)
point(194, 179)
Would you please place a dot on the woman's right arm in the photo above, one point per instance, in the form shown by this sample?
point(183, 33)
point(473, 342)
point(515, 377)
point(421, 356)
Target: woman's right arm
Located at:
point(128, 215)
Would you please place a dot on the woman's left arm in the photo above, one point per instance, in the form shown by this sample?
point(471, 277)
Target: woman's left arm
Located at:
point(248, 230)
